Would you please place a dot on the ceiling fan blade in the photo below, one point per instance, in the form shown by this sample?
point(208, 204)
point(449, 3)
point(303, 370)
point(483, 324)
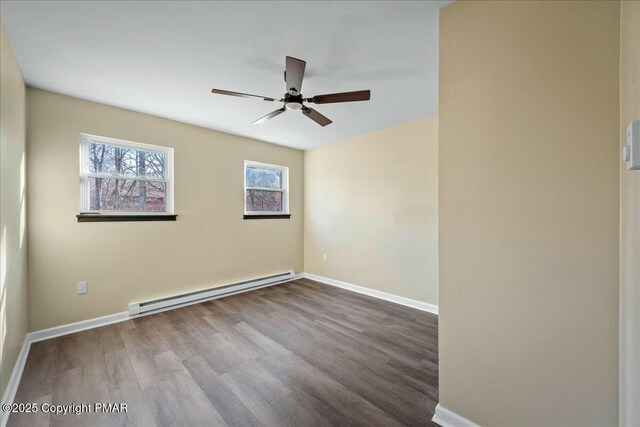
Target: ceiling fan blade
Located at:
point(359, 95)
point(294, 74)
point(316, 117)
point(240, 94)
point(269, 116)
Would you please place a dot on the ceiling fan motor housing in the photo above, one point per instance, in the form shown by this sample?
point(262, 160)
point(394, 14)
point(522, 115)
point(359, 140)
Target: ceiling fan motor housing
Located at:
point(292, 102)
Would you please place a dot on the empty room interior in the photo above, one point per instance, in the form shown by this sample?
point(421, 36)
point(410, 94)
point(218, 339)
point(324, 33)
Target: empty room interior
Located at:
point(320, 213)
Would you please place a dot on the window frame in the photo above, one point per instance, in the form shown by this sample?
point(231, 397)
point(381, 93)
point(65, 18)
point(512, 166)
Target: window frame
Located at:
point(85, 174)
point(284, 213)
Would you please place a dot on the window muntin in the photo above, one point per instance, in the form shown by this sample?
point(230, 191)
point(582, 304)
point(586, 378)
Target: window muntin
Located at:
point(265, 189)
point(123, 177)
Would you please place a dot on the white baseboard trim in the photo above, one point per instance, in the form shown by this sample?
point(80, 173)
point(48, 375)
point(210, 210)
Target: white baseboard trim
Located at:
point(373, 293)
point(96, 322)
point(448, 418)
point(14, 380)
point(83, 325)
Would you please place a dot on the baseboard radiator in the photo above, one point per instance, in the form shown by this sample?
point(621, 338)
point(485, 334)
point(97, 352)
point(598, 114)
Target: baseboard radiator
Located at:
point(144, 308)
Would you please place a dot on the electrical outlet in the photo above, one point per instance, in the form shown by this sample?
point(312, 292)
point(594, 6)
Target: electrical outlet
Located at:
point(82, 288)
point(324, 257)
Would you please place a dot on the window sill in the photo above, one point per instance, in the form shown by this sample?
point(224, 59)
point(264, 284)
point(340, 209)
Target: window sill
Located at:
point(278, 216)
point(120, 218)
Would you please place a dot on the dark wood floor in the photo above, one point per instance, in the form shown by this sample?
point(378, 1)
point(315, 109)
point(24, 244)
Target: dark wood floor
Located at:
point(301, 353)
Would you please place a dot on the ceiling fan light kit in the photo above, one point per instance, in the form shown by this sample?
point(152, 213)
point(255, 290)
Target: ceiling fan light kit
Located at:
point(293, 99)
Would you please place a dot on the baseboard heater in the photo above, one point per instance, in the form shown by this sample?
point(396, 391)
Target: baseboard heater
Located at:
point(162, 304)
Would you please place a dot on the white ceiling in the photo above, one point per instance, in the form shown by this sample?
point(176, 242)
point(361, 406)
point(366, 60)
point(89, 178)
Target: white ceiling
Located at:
point(163, 58)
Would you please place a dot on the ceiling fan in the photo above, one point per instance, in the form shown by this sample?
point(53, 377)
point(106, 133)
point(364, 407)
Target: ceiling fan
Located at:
point(293, 99)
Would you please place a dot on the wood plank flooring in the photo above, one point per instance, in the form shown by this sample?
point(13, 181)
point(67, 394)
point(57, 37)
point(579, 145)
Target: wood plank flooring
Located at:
point(297, 354)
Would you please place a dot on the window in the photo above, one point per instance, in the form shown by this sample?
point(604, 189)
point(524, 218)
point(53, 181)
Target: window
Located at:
point(265, 190)
point(124, 178)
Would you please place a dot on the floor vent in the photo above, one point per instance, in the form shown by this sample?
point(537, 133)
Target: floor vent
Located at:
point(162, 304)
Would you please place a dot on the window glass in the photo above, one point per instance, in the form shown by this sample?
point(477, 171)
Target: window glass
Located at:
point(125, 177)
point(265, 189)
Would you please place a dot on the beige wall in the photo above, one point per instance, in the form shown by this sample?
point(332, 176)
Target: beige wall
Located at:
point(371, 206)
point(13, 245)
point(124, 262)
point(629, 219)
point(529, 212)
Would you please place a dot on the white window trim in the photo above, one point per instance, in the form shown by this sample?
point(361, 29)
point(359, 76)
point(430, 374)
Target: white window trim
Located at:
point(285, 187)
point(86, 138)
